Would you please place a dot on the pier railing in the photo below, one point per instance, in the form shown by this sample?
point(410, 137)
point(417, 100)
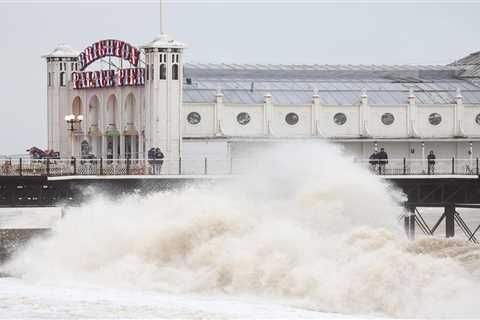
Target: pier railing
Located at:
point(212, 166)
point(107, 167)
point(450, 166)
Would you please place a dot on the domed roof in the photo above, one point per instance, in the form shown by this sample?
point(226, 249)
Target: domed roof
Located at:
point(62, 51)
point(164, 41)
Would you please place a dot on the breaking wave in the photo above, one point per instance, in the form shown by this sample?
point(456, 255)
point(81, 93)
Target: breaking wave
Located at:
point(312, 229)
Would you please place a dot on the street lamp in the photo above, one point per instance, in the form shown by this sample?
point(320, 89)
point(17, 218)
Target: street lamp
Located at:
point(72, 119)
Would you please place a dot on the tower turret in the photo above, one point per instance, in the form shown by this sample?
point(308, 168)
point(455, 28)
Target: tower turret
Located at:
point(163, 98)
point(61, 62)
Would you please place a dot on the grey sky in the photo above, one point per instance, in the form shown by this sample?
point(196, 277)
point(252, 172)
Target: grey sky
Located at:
point(267, 32)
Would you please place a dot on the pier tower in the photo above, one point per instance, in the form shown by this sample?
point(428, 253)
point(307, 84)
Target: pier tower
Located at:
point(163, 99)
point(61, 62)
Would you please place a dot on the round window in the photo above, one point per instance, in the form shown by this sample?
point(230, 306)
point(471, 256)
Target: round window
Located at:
point(243, 118)
point(387, 119)
point(435, 119)
point(194, 118)
point(291, 118)
point(477, 119)
point(340, 118)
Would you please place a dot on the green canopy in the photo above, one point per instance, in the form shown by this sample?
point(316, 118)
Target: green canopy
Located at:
point(112, 133)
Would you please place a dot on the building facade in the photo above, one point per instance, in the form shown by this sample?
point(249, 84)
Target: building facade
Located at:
point(148, 97)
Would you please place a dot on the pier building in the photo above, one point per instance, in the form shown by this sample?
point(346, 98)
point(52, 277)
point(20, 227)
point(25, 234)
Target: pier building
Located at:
point(131, 99)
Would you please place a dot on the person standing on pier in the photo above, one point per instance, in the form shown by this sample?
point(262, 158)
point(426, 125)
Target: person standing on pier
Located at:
point(158, 160)
point(431, 162)
point(151, 160)
point(373, 161)
point(382, 160)
point(155, 159)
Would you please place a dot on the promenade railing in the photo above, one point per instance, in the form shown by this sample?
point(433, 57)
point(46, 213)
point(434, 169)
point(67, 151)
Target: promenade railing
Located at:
point(214, 166)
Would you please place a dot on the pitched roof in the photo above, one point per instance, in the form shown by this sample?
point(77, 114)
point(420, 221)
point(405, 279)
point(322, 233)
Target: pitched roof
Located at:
point(470, 66)
point(335, 84)
point(471, 59)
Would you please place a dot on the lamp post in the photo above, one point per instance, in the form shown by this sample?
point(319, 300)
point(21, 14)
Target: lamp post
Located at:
point(72, 119)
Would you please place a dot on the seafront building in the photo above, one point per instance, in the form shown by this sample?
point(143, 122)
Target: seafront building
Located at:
point(132, 99)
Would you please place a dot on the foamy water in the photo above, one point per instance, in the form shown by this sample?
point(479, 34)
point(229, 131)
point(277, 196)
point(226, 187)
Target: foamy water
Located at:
point(312, 230)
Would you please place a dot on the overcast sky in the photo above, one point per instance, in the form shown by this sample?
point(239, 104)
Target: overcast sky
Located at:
point(248, 32)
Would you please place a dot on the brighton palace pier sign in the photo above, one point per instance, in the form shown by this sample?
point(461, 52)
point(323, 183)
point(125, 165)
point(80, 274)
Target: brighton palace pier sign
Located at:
point(109, 78)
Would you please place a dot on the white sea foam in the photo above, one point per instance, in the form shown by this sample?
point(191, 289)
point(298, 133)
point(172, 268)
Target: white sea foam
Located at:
point(306, 226)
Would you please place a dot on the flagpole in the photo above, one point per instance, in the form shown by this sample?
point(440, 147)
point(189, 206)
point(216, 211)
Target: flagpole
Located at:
point(161, 17)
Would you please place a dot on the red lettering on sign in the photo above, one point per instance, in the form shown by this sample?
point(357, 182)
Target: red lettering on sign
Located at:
point(108, 78)
point(106, 48)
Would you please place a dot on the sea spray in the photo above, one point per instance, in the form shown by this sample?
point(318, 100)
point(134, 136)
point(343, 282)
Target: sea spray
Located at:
point(305, 226)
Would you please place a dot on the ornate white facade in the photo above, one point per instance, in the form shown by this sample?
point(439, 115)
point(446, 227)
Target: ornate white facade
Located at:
point(220, 110)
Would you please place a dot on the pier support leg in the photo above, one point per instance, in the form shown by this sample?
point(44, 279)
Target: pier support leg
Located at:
point(450, 221)
point(409, 221)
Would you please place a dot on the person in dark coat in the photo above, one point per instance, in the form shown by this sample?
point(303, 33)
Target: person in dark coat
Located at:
point(151, 160)
point(158, 160)
point(382, 160)
point(431, 162)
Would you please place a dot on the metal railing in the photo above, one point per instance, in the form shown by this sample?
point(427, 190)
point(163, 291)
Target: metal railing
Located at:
point(213, 166)
point(404, 166)
point(79, 167)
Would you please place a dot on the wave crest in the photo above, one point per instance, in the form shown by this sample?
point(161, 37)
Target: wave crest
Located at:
point(313, 230)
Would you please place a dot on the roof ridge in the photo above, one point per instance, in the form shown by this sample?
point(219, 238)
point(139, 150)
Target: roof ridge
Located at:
point(315, 66)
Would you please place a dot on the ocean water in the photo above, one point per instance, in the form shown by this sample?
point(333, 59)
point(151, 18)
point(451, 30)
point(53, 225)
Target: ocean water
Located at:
point(306, 233)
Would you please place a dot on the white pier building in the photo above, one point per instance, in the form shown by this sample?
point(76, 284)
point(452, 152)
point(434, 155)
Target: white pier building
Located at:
point(132, 99)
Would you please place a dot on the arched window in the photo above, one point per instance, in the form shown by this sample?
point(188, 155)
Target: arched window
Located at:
point(130, 110)
point(49, 79)
point(163, 72)
point(77, 108)
point(62, 79)
point(152, 73)
point(175, 72)
point(112, 111)
point(93, 111)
